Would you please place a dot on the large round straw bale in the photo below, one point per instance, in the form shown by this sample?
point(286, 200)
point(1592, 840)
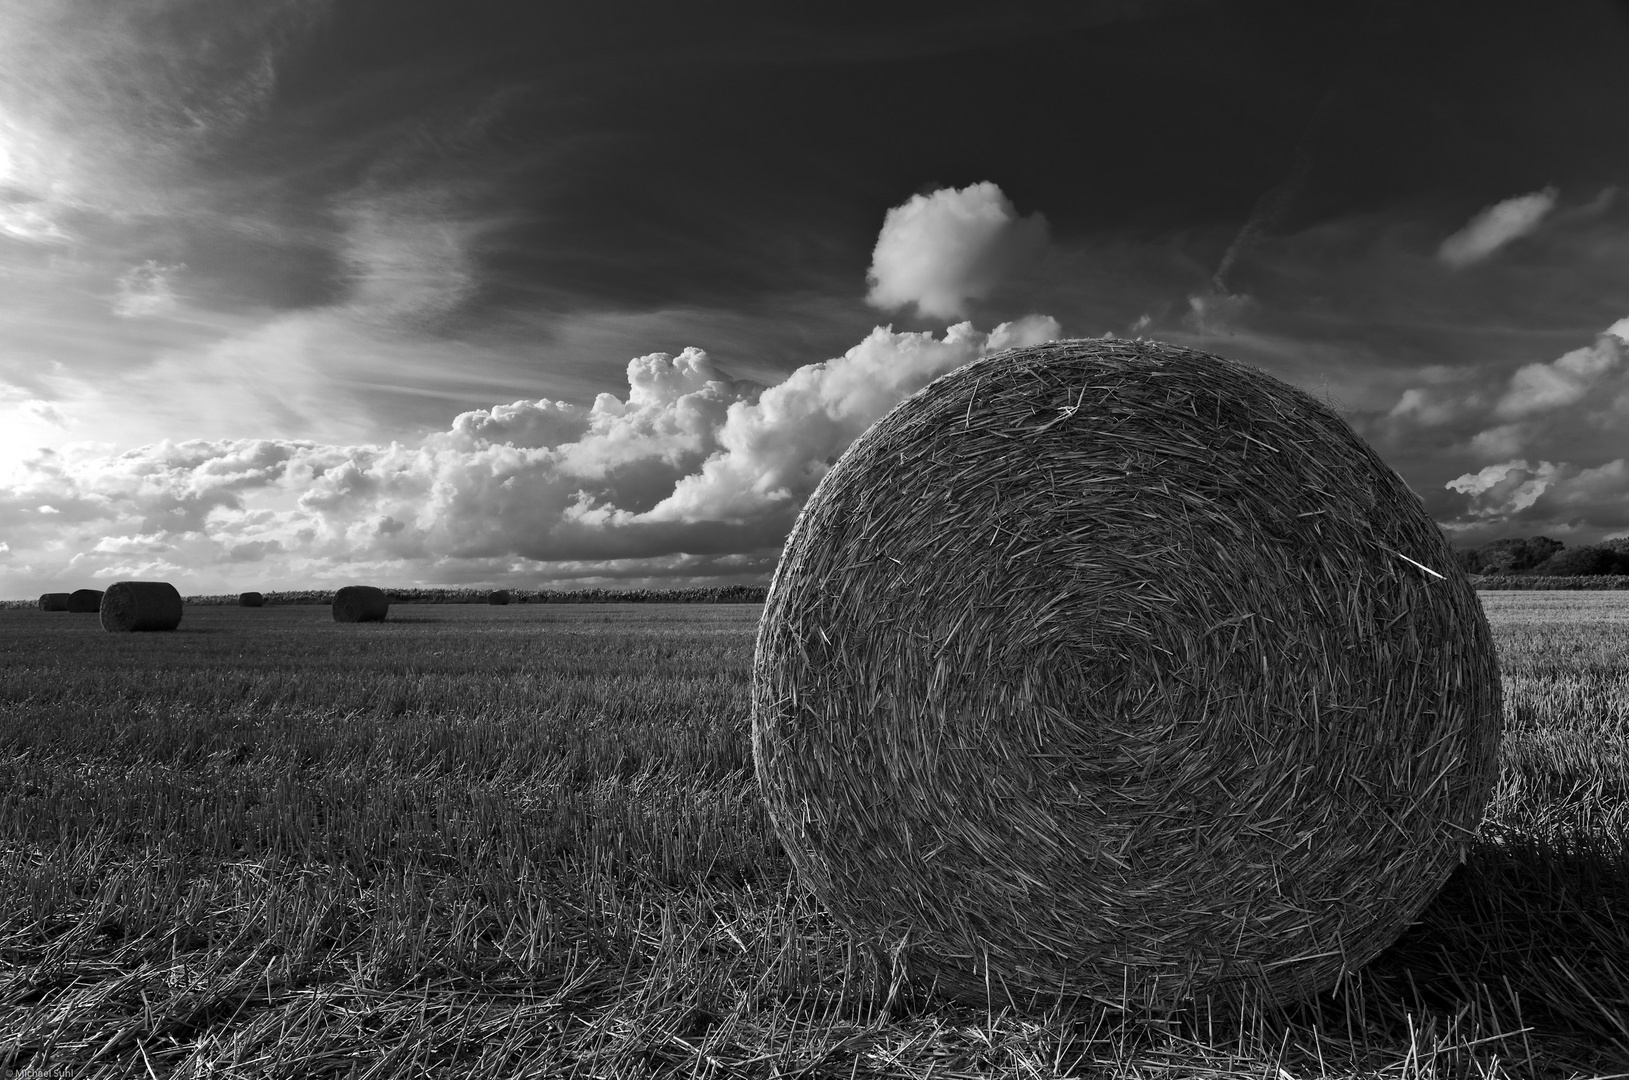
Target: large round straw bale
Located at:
point(251, 599)
point(85, 601)
point(54, 601)
point(141, 605)
point(360, 603)
point(498, 597)
point(1118, 670)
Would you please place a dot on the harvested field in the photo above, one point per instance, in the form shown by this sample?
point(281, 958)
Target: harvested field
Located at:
point(527, 841)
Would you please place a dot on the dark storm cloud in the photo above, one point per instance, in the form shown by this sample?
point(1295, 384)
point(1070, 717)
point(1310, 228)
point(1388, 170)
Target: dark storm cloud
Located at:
point(640, 157)
point(630, 157)
point(647, 155)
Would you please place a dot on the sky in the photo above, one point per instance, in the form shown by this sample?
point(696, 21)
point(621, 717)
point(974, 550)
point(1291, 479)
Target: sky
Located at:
point(304, 293)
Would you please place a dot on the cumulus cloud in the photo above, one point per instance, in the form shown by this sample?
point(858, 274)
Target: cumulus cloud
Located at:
point(26, 422)
point(773, 451)
point(692, 472)
point(1495, 227)
point(533, 423)
point(1567, 414)
point(940, 251)
point(1536, 388)
point(1545, 406)
point(1555, 498)
point(131, 545)
point(1430, 407)
point(43, 411)
point(1505, 489)
point(153, 568)
point(253, 550)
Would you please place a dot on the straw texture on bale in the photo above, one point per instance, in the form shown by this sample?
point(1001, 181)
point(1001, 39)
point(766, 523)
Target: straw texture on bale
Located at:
point(251, 599)
point(54, 601)
point(498, 597)
point(141, 605)
point(85, 601)
point(1116, 670)
point(360, 603)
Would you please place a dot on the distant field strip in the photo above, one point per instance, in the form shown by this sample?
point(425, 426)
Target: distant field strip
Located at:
point(1564, 658)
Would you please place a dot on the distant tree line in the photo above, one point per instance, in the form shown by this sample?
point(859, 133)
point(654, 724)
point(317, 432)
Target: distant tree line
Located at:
point(1541, 556)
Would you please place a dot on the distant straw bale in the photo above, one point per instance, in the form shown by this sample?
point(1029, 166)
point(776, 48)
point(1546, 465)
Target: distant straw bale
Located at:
point(251, 599)
point(85, 601)
point(360, 603)
point(141, 605)
point(54, 601)
point(498, 597)
point(1118, 670)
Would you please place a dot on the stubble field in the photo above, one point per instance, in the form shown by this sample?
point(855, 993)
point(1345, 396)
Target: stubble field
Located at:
point(526, 841)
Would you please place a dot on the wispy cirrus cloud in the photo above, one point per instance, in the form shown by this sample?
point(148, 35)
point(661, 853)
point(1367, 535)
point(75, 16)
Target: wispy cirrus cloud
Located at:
point(27, 217)
point(408, 254)
point(1550, 435)
point(146, 290)
point(1497, 226)
point(100, 106)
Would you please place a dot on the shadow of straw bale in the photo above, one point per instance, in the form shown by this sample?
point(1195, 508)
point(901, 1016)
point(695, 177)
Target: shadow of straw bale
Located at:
point(1523, 957)
point(1533, 931)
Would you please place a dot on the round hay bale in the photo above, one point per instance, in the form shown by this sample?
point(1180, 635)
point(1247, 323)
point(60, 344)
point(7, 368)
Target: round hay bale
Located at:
point(85, 601)
point(498, 597)
point(360, 603)
point(54, 601)
point(251, 599)
point(1117, 670)
point(141, 605)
